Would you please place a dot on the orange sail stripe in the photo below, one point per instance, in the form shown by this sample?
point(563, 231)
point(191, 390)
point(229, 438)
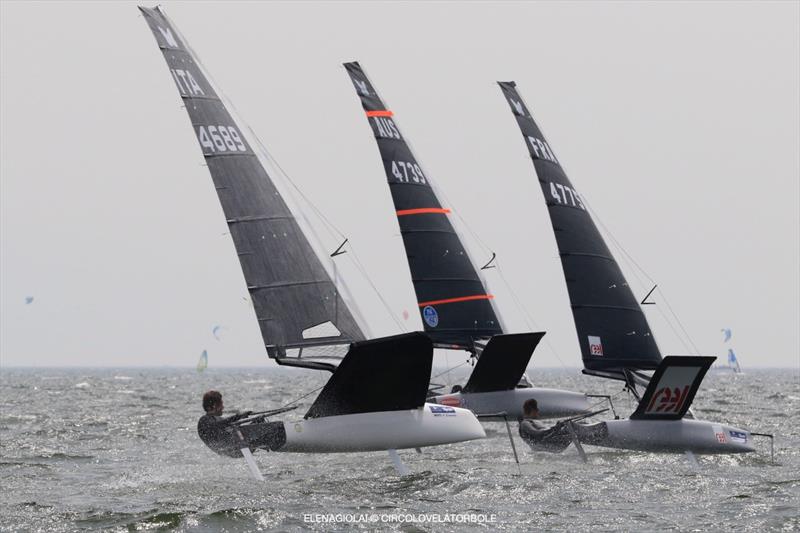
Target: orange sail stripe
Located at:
point(384, 113)
point(422, 210)
point(460, 299)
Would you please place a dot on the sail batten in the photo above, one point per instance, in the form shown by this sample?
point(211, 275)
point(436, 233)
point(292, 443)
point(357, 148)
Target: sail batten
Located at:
point(290, 288)
point(613, 332)
point(455, 307)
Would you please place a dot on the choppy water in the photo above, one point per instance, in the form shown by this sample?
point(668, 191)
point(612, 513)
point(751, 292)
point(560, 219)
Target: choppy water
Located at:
point(116, 449)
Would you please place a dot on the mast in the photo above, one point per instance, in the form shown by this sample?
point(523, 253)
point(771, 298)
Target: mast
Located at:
point(296, 302)
point(455, 307)
point(613, 332)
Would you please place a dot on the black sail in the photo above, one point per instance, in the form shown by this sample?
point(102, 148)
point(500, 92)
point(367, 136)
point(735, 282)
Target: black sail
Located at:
point(612, 330)
point(455, 306)
point(296, 302)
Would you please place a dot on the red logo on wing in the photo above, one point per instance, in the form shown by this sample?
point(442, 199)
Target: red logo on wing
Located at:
point(668, 400)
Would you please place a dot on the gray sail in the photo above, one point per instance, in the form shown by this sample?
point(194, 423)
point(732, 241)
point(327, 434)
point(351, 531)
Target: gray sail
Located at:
point(296, 302)
point(613, 332)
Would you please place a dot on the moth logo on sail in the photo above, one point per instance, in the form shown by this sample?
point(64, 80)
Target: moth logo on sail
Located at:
point(168, 37)
point(595, 345)
point(187, 84)
point(385, 128)
point(361, 87)
point(541, 150)
point(518, 108)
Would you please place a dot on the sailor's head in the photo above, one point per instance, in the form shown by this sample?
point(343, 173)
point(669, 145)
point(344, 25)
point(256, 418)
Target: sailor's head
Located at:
point(530, 409)
point(212, 402)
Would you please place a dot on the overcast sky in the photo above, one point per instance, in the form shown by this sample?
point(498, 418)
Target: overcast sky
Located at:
point(679, 122)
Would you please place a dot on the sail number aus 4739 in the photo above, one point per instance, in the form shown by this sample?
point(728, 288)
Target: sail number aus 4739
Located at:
point(565, 195)
point(216, 139)
point(408, 172)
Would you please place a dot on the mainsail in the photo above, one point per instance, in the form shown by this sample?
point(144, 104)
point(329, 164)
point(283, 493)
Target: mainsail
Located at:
point(297, 304)
point(455, 307)
point(202, 363)
point(613, 332)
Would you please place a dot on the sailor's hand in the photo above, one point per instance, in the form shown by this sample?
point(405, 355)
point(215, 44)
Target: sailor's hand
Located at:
point(246, 414)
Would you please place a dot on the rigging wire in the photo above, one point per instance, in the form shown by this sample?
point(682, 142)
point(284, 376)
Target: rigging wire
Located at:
point(529, 320)
point(628, 257)
point(449, 369)
point(302, 397)
point(331, 227)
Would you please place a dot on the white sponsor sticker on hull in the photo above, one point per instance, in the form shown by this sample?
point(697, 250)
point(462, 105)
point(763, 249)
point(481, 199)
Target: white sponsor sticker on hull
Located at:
point(720, 434)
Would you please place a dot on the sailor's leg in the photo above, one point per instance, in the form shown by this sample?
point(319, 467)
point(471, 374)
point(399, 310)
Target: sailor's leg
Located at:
point(266, 435)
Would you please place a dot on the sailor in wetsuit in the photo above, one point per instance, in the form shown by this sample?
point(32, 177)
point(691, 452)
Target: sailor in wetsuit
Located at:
point(223, 436)
point(540, 436)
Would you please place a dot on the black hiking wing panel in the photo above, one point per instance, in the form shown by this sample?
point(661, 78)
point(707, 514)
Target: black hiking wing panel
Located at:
point(503, 362)
point(387, 374)
point(452, 299)
point(289, 286)
point(672, 388)
point(613, 332)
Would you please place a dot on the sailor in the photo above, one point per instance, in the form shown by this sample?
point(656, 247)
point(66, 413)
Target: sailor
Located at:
point(540, 436)
point(216, 431)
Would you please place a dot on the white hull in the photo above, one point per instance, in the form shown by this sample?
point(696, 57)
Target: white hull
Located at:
point(553, 403)
point(367, 432)
point(676, 436)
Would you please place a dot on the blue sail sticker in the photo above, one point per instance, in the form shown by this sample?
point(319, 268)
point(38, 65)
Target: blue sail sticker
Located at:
point(430, 316)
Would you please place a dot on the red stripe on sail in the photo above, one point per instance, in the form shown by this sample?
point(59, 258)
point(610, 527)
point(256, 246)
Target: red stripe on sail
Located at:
point(422, 210)
point(459, 299)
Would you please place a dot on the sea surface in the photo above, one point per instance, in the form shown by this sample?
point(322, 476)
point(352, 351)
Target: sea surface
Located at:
point(117, 450)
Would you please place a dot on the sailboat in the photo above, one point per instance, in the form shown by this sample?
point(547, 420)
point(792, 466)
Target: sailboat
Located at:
point(375, 399)
point(202, 363)
point(614, 337)
point(455, 307)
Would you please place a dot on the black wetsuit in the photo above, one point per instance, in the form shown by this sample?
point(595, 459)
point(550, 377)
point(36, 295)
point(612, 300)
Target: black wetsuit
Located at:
point(542, 437)
point(558, 437)
point(219, 434)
